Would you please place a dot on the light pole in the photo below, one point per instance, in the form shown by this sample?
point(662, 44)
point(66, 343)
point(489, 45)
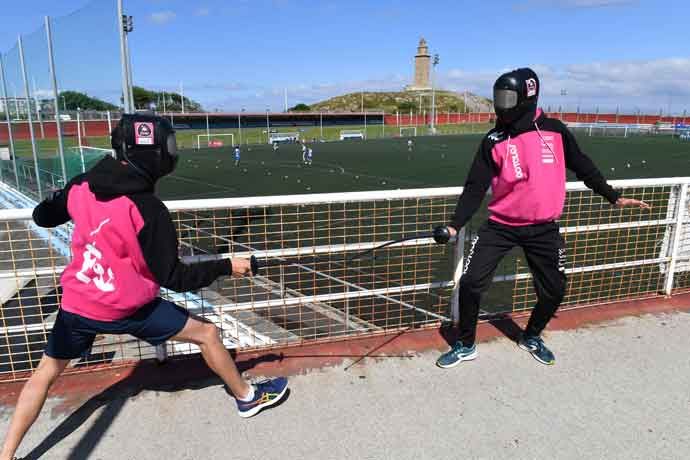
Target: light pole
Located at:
point(79, 128)
point(564, 93)
point(433, 94)
point(239, 125)
point(268, 127)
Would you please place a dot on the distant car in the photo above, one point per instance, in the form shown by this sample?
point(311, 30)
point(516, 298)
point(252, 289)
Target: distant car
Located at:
point(65, 117)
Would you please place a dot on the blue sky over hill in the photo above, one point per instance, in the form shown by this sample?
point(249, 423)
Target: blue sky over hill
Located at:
point(243, 53)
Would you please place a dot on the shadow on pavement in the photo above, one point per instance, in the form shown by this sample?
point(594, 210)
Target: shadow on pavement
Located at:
point(503, 322)
point(167, 377)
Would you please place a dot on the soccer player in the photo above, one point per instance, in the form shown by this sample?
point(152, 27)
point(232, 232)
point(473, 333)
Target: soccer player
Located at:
point(275, 147)
point(124, 249)
point(237, 155)
point(523, 159)
point(304, 152)
point(410, 145)
point(310, 154)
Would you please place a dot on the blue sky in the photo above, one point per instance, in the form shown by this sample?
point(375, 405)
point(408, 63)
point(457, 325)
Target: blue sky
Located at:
point(243, 53)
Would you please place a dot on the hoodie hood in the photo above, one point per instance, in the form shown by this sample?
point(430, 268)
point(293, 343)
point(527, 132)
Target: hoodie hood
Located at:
point(110, 177)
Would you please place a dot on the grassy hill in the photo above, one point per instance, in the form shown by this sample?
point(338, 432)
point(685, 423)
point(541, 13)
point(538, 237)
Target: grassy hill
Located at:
point(403, 101)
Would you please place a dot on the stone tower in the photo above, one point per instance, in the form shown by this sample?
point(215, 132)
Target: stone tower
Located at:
point(422, 62)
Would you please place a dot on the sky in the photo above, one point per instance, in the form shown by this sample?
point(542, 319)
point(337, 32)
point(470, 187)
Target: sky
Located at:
point(232, 54)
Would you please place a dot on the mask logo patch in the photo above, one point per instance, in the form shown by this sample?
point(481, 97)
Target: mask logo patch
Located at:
point(143, 133)
point(531, 87)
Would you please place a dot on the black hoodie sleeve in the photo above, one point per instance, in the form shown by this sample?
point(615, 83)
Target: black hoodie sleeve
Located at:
point(52, 211)
point(584, 167)
point(477, 183)
point(158, 241)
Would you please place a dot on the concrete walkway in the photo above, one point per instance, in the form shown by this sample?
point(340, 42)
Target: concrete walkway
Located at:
point(620, 390)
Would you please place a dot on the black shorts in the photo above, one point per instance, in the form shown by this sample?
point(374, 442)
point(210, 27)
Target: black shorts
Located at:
point(73, 335)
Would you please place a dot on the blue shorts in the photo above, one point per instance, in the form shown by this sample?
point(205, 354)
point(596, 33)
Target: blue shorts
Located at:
point(156, 322)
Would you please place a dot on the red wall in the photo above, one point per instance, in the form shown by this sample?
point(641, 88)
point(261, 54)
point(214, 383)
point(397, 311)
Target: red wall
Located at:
point(445, 118)
point(20, 130)
point(100, 127)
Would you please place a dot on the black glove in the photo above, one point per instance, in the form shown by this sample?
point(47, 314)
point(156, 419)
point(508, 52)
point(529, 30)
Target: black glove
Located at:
point(441, 234)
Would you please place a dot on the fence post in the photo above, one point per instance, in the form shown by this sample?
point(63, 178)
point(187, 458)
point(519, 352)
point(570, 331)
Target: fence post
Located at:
point(79, 128)
point(10, 137)
point(162, 352)
point(459, 260)
point(34, 148)
point(347, 308)
point(680, 215)
point(58, 122)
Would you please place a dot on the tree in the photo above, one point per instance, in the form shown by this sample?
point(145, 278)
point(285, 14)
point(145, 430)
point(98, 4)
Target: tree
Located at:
point(300, 108)
point(173, 101)
point(406, 106)
point(74, 99)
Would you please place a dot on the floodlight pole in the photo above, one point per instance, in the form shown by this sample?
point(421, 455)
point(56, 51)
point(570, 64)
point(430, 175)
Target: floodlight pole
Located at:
point(8, 119)
point(34, 148)
point(321, 124)
point(123, 58)
point(433, 94)
point(239, 126)
point(58, 122)
point(208, 128)
point(365, 124)
point(129, 69)
point(268, 128)
point(182, 95)
point(79, 127)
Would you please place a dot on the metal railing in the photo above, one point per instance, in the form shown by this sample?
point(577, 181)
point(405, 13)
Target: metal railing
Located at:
point(613, 255)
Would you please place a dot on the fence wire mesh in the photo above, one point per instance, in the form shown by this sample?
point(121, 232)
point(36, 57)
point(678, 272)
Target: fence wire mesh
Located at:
point(613, 255)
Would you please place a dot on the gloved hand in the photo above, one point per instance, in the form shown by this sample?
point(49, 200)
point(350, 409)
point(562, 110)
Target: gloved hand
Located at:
point(442, 234)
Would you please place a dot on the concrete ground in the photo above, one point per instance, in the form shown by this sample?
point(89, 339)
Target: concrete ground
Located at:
point(619, 390)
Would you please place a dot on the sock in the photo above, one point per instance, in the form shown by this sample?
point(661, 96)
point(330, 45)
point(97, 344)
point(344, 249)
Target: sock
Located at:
point(249, 396)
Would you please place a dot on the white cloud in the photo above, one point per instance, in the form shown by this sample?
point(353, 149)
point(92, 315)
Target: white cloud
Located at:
point(649, 85)
point(163, 17)
point(202, 12)
point(644, 84)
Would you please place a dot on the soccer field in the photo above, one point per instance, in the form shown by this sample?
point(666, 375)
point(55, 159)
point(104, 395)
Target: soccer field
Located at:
point(435, 161)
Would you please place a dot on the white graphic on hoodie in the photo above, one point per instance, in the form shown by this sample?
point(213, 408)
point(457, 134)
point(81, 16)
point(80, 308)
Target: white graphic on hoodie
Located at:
point(92, 258)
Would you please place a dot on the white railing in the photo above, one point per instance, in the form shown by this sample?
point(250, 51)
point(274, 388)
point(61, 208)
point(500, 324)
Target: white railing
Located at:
point(613, 255)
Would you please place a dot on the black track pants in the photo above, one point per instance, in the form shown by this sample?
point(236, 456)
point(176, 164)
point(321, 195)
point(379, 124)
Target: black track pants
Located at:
point(545, 253)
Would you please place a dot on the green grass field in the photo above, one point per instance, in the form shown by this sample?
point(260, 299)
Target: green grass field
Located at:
point(386, 164)
point(187, 139)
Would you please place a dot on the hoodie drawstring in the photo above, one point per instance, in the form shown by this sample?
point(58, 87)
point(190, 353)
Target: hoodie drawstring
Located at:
point(545, 143)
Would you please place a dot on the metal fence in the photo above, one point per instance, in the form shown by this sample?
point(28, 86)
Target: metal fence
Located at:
point(77, 52)
point(613, 255)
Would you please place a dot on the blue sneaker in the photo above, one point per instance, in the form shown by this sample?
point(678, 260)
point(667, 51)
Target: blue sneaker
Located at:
point(457, 354)
point(266, 393)
point(535, 345)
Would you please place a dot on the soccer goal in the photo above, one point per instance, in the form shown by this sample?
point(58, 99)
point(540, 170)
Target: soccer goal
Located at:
point(280, 138)
point(213, 140)
point(408, 131)
point(351, 134)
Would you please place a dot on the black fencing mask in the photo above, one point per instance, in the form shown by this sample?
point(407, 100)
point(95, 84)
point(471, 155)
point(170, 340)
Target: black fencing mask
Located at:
point(147, 143)
point(516, 94)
